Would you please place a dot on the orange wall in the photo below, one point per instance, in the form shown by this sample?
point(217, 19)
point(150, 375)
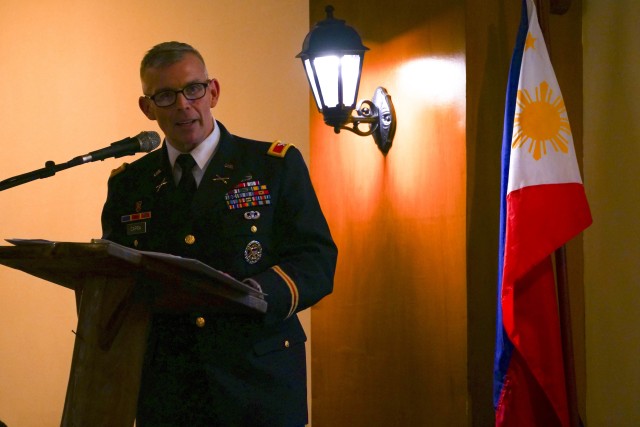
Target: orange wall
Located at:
point(69, 86)
point(408, 335)
point(389, 344)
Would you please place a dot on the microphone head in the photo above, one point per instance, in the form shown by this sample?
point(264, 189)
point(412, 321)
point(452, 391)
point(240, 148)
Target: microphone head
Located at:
point(149, 140)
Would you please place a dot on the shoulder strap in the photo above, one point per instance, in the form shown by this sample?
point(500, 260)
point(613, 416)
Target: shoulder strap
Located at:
point(278, 148)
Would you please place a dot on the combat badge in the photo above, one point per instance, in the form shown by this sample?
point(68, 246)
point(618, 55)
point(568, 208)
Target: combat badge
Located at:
point(253, 252)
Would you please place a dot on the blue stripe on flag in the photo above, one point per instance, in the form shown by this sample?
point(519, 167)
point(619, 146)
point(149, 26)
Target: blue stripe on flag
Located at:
point(504, 347)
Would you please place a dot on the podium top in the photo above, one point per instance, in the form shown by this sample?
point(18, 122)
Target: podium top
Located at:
point(71, 264)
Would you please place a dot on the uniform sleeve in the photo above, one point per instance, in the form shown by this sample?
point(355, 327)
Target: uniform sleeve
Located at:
point(307, 254)
point(110, 224)
point(108, 214)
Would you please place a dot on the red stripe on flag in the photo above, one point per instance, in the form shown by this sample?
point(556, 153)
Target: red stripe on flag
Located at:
point(523, 402)
point(540, 220)
point(530, 316)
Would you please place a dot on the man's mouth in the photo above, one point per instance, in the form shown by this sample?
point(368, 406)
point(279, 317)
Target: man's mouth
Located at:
point(186, 122)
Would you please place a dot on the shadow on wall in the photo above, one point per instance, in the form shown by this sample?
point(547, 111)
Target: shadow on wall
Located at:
point(378, 12)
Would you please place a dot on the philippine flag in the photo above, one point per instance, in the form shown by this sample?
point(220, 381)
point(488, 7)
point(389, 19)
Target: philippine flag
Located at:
point(543, 205)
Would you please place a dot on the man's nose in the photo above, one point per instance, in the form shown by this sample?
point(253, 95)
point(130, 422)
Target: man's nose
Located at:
point(181, 100)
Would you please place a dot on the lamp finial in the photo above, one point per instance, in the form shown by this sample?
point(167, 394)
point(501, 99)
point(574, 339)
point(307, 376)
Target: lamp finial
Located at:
point(329, 10)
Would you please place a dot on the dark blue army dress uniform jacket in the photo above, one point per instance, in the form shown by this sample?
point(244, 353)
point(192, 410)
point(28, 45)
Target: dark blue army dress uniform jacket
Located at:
point(254, 215)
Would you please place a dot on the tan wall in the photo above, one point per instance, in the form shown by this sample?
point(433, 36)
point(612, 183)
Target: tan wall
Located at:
point(612, 243)
point(69, 86)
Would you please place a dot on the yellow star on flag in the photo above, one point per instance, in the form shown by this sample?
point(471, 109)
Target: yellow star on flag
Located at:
point(530, 43)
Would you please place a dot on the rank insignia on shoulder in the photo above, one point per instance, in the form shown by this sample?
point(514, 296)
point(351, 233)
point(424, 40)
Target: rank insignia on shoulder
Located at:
point(278, 148)
point(118, 170)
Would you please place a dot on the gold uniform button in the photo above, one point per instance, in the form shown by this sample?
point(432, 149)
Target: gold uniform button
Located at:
point(254, 229)
point(200, 322)
point(135, 243)
point(287, 344)
point(190, 239)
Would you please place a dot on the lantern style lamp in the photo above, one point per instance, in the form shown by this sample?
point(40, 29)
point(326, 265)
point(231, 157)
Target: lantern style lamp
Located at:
point(332, 56)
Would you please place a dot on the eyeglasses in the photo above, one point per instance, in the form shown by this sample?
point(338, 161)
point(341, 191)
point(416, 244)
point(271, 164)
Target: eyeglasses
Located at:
point(167, 98)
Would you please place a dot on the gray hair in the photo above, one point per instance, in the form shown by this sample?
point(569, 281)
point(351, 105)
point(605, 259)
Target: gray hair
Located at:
point(167, 53)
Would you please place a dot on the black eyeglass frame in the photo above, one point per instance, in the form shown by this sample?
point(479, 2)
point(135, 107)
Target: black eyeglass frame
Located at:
point(205, 85)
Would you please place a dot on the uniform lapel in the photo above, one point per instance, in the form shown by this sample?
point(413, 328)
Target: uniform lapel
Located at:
point(224, 171)
point(161, 174)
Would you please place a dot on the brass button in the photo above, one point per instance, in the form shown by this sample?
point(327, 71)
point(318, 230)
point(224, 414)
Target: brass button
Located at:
point(254, 228)
point(200, 322)
point(190, 239)
point(287, 344)
point(135, 243)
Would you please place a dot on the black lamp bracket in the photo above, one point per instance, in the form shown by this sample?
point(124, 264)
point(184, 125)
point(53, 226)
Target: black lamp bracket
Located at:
point(379, 114)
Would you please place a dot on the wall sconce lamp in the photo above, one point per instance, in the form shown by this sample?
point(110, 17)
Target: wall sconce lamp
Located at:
point(332, 56)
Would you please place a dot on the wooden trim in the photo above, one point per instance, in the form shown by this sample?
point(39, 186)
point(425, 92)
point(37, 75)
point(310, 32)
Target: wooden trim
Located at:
point(560, 7)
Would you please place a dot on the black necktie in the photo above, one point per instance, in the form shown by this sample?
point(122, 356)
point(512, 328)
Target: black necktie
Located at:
point(187, 185)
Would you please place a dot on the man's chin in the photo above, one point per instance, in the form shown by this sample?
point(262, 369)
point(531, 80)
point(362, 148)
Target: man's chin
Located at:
point(184, 145)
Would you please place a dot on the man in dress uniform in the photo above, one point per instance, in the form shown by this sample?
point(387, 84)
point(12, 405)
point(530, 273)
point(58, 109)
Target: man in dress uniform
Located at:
point(244, 207)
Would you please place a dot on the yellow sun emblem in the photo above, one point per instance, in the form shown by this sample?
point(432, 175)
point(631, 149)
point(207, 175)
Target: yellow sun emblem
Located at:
point(541, 121)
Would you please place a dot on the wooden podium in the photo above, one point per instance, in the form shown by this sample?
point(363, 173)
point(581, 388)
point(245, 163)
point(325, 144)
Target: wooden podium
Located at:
point(117, 290)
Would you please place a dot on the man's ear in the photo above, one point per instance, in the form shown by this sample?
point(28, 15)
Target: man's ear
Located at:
point(145, 106)
point(214, 89)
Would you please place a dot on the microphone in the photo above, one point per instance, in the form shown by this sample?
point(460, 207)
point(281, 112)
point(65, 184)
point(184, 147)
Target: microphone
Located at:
point(143, 142)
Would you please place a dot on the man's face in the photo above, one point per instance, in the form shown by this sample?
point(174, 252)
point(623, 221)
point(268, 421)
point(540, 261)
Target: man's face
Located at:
point(186, 123)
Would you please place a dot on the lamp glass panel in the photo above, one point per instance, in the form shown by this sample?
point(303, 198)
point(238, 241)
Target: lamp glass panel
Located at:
point(327, 72)
point(312, 82)
point(350, 73)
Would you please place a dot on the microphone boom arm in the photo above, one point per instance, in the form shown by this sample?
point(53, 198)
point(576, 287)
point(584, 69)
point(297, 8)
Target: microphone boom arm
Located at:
point(145, 141)
point(49, 169)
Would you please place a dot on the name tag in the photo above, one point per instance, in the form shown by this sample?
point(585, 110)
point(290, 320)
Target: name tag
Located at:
point(136, 228)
